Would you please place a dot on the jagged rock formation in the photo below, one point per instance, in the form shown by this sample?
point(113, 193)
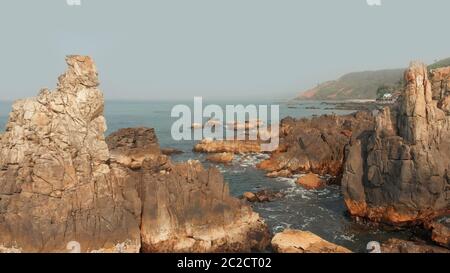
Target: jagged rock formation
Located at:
point(316, 145)
point(400, 173)
point(60, 183)
point(55, 183)
point(296, 241)
point(185, 208)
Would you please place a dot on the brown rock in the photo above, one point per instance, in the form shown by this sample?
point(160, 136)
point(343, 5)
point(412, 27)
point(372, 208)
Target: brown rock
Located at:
point(55, 182)
point(224, 158)
point(399, 172)
point(296, 241)
point(228, 146)
point(250, 197)
point(402, 246)
point(62, 185)
point(282, 173)
point(186, 208)
point(311, 182)
point(262, 196)
point(440, 231)
point(170, 151)
point(316, 145)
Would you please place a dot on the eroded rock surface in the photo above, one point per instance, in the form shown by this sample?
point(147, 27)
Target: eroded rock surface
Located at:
point(440, 231)
point(296, 241)
point(60, 183)
point(55, 182)
point(316, 145)
point(185, 208)
point(400, 172)
point(402, 246)
point(228, 146)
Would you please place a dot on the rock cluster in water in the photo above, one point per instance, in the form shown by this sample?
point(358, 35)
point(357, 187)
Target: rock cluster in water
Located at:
point(60, 183)
point(315, 145)
point(400, 172)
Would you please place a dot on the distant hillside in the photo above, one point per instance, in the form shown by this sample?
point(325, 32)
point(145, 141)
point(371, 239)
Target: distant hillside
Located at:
point(441, 63)
point(361, 85)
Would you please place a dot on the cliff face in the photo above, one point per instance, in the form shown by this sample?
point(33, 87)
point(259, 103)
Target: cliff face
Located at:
point(59, 183)
point(185, 208)
point(55, 183)
point(400, 173)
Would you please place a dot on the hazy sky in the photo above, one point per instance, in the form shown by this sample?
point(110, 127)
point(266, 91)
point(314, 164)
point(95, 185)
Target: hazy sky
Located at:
point(168, 49)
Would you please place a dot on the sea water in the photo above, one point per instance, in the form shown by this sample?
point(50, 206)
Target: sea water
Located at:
point(322, 212)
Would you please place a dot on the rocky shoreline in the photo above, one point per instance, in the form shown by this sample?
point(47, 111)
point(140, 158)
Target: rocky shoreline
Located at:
point(63, 183)
point(392, 165)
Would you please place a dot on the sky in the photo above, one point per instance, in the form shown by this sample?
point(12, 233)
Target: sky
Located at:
point(218, 49)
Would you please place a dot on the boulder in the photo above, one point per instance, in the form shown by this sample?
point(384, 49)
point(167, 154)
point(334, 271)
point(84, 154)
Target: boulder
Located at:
point(440, 231)
point(224, 158)
point(399, 172)
point(296, 241)
point(262, 196)
point(311, 182)
point(250, 197)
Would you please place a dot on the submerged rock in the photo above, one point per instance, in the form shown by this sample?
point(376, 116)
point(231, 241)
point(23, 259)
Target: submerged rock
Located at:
point(399, 173)
point(262, 196)
point(296, 241)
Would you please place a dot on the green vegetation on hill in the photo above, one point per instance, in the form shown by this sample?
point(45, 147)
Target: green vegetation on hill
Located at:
point(357, 85)
point(362, 85)
point(441, 63)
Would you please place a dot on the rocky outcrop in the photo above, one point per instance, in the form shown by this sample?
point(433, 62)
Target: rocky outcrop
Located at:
point(185, 208)
point(311, 182)
point(224, 158)
point(400, 172)
point(262, 196)
point(296, 241)
point(316, 145)
point(228, 146)
point(402, 246)
point(440, 231)
point(171, 151)
point(63, 185)
point(55, 182)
